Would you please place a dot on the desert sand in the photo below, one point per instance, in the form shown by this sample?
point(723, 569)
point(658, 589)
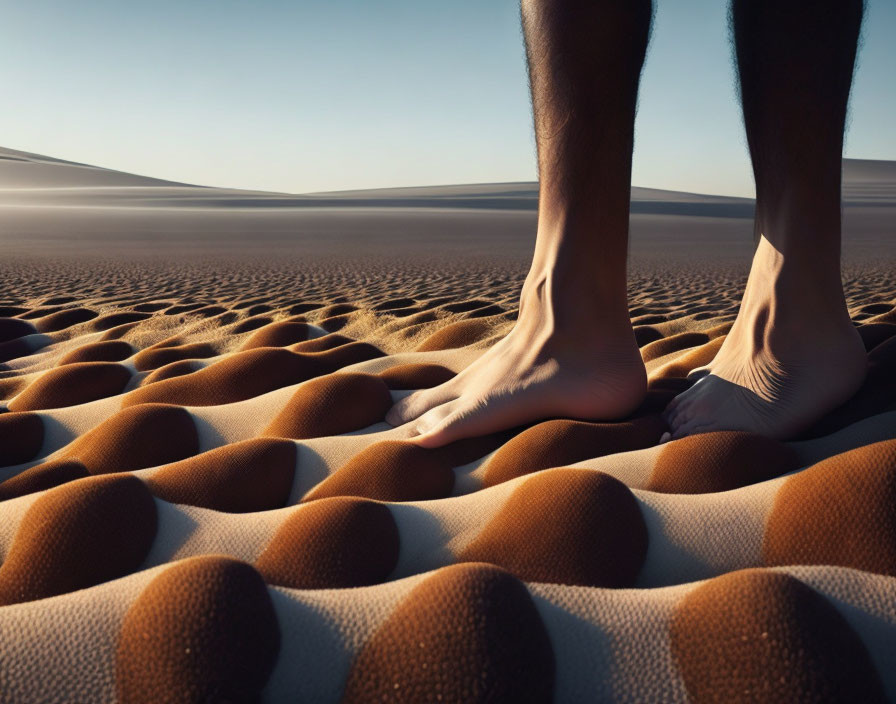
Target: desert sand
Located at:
point(200, 499)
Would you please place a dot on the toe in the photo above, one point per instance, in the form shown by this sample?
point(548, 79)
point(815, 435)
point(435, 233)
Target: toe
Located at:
point(683, 414)
point(681, 407)
point(418, 403)
point(670, 407)
point(460, 419)
point(680, 412)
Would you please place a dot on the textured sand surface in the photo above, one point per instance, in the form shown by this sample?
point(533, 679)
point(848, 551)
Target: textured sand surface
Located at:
point(200, 500)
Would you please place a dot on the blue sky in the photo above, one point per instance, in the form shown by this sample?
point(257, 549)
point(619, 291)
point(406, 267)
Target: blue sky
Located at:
point(314, 95)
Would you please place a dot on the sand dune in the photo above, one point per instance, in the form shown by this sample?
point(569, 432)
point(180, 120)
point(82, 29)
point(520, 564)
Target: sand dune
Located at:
point(471, 632)
point(200, 499)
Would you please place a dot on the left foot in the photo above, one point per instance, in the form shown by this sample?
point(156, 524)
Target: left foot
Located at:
point(792, 356)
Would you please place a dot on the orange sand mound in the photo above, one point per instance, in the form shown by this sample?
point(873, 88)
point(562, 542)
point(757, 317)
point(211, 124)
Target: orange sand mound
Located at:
point(78, 535)
point(331, 405)
point(333, 543)
point(72, 385)
point(755, 636)
point(210, 379)
point(21, 436)
point(390, 471)
point(601, 541)
point(142, 436)
point(253, 475)
point(500, 651)
point(247, 374)
point(176, 643)
point(556, 443)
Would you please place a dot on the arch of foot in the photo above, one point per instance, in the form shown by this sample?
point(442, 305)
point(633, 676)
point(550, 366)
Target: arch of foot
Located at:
point(758, 635)
point(876, 394)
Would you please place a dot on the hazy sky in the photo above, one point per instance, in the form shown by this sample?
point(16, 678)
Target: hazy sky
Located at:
point(313, 95)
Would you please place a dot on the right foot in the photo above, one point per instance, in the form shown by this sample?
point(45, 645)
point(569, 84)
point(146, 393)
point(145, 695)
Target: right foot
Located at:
point(591, 370)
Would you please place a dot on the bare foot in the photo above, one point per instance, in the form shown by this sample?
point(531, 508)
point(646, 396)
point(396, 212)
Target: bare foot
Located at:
point(792, 356)
point(557, 361)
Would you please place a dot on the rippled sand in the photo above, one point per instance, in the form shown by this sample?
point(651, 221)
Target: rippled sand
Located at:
point(200, 501)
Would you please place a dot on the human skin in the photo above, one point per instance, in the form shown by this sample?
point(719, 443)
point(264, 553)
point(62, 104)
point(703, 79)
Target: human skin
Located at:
point(572, 351)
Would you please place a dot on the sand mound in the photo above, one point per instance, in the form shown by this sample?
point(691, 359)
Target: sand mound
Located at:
point(200, 500)
point(21, 437)
point(278, 335)
point(156, 357)
point(601, 541)
point(143, 436)
point(761, 636)
point(500, 651)
point(12, 328)
point(851, 499)
point(42, 476)
point(175, 644)
point(332, 405)
point(560, 442)
point(332, 543)
point(416, 376)
point(78, 535)
point(461, 334)
point(701, 464)
point(72, 385)
point(107, 351)
point(253, 475)
point(390, 471)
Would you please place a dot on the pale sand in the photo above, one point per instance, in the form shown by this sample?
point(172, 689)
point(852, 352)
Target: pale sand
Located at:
point(119, 290)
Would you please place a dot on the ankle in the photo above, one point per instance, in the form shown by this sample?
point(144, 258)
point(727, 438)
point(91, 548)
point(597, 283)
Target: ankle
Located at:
point(795, 284)
point(568, 305)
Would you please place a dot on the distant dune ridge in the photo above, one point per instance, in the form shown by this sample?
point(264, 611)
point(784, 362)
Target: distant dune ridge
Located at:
point(200, 499)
